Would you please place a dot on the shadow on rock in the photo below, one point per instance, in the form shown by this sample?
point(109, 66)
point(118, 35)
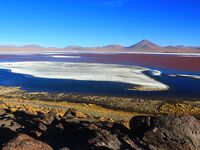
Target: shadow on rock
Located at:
point(6, 135)
point(169, 132)
point(75, 130)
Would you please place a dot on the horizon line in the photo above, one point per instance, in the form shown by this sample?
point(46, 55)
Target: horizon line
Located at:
point(11, 44)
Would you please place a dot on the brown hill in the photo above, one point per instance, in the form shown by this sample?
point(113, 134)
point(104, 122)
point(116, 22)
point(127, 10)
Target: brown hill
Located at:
point(143, 46)
point(147, 46)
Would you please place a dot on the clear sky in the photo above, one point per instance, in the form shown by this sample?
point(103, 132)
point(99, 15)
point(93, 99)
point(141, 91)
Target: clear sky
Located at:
point(99, 22)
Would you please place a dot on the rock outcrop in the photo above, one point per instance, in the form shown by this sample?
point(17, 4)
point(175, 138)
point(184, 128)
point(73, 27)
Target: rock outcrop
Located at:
point(75, 130)
point(25, 142)
point(167, 132)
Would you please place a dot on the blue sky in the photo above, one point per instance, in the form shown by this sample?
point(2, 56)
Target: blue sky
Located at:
point(99, 22)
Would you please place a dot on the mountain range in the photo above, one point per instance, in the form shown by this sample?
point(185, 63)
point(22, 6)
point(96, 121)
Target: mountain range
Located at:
point(142, 46)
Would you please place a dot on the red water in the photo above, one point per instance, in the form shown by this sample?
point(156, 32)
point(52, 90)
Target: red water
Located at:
point(164, 61)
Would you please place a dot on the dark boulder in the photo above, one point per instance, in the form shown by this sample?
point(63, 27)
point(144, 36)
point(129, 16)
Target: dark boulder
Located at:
point(70, 113)
point(73, 113)
point(81, 134)
point(47, 119)
point(102, 138)
point(25, 142)
point(169, 132)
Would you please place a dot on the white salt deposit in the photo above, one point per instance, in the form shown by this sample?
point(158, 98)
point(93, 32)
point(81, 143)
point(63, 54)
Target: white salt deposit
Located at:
point(63, 56)
point(86, 71)
point(156, 72)
point(185, 75)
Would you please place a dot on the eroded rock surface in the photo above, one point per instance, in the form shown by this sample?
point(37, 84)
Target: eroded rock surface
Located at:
point(167, 132)
point(75, 130)
point(25, 142)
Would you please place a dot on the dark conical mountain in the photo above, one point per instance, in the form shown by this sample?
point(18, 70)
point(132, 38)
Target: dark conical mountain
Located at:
point(145, 45)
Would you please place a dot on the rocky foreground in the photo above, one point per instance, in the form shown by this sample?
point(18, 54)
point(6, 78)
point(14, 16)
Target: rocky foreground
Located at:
point(32, 121)
point(21, 130)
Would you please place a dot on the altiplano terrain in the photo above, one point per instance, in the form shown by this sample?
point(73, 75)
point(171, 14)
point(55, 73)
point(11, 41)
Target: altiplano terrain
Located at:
point(142, 46)
point(156, 114)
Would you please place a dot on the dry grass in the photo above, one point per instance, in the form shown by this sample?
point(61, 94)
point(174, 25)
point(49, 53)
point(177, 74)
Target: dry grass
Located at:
point(59, 108)
point(180, 108)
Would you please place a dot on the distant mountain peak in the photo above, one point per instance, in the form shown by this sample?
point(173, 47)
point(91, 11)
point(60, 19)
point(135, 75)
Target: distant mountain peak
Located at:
point(73, 47)
point(145, 45)
point(31, 46)
point(145, 41)
point(114, 46)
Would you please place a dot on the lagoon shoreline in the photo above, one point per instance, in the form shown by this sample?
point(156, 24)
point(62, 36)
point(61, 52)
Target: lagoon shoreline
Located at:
point(129, 105)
